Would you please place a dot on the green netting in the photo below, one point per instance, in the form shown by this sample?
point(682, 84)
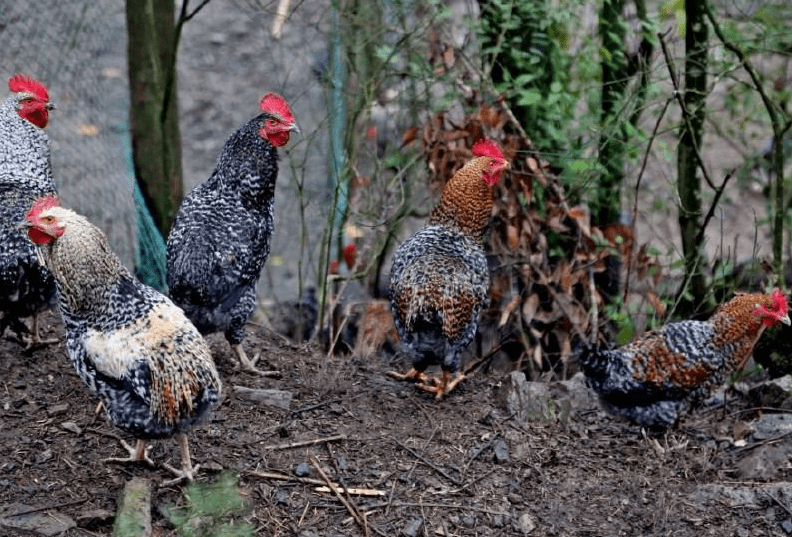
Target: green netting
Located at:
point(150, 254)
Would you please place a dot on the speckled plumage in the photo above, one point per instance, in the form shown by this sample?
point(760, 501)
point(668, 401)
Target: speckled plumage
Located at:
point(130, 344)
point(440, 279)
point(220, 239)
point(26, 287)
point(656, 378)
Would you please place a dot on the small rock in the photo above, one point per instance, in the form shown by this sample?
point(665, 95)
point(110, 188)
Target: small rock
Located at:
point(19, 403)
point(501, 452)
point(33, 519)
point(526, 523)
point(770, 425)
point(280, 497)
point(44, 456)
point(19, 384)
point(276, 398)
point(72, 427)
point(765, 462)
point(786, 525)
point(212, 466)
point(302, 470)
point(95, 518)
point(413, 527)
point(54, 410)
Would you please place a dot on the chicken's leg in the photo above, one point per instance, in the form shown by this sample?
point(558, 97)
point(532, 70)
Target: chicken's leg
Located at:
point(250, 365)
point(136, 454)
point(187, 471)
point(34, 339)
point(411, 375)
point(444, 386)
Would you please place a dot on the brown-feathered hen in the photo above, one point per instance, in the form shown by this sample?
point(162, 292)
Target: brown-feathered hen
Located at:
point(440, 279)
point(663, 373)
point(130, 344)
point(221, 236)
point(26, 287)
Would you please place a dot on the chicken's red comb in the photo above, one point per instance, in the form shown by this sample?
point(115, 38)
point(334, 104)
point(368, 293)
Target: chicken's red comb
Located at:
point(272, 103)
point(349, 255)
point(20, 83)
point(42, 204)
point(487, 148)
point(779, 301)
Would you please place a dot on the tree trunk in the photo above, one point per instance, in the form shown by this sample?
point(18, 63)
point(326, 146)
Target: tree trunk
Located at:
point(688, 183)
point(614, 82)
point(156, 141)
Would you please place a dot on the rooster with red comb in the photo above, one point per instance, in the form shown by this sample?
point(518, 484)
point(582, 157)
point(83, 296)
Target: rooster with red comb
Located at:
point(440, 279)
point(653, 380)
point(221, 236)
point(26, 288)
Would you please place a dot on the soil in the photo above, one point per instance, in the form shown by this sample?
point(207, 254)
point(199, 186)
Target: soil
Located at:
point(461, 466)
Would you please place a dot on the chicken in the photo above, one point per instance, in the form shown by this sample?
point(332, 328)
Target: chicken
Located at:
point(221, 236)
point(440, 279)
point(134, 348)
point(26, 288)
point(657, 377)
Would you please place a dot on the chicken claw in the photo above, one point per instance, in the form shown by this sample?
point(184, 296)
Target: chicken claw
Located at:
point(412, 375)
point(441, 387)
point(136, 454)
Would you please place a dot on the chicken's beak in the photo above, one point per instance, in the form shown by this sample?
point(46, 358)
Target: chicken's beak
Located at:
point(294, 128)
point(51, 106)
point(785, 319)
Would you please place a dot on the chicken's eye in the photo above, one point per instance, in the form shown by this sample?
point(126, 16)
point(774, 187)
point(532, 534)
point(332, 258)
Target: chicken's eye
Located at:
point(48, 219)
point(272, 122)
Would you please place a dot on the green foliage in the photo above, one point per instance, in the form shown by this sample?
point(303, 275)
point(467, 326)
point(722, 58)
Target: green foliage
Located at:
point(526, 44)
point(211, 510)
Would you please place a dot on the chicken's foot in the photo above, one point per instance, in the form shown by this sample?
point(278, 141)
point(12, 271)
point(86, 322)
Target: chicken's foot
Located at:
point(136, 454)
point(413, 375)
point(188, 471)
point(35, 339)
point(443, 386)
point(250, 365)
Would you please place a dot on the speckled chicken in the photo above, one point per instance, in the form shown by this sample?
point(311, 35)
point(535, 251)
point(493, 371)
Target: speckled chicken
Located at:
point(220, 239)
point(440, 279)
point(133, 347)
point(26, 288)
point(657, 377)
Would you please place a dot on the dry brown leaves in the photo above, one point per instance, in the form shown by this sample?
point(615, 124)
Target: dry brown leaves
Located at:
point(543, 255)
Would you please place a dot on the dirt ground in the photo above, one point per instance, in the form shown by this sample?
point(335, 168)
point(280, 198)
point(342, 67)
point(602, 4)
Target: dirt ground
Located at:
point(458, 467)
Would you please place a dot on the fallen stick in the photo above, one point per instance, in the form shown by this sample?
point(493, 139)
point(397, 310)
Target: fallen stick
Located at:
point(356, 492)
point(429, 464)
point(348, 504)
point(322, 485)
point(303, 443)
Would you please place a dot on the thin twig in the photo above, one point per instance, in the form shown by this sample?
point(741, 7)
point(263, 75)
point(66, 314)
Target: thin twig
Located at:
point(286, 477)
point(479, 451)
point(475, 480)
point(685, 112)
point(776, 500)
point(45, 508)
point(303, 443)
point(350, 506)
point(428, 463)
point(644, 163)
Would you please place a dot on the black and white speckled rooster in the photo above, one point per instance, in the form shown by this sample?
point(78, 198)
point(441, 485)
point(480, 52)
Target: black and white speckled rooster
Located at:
point(26, 288)
point(652, 380)
point(220, 239)
point(440, 279)
point(130, 344)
